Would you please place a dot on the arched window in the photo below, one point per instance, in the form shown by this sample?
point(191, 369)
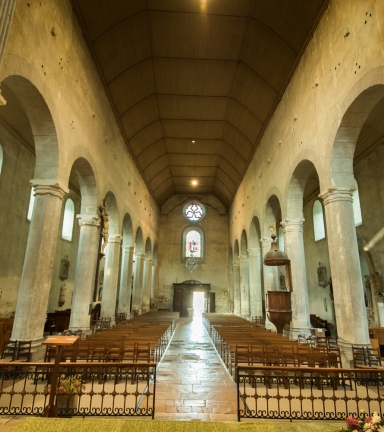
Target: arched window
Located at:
point(193, 243)
point(1, 158)
point(31, 205)
point(69, 216)
point(356, 207)
point(318, 220)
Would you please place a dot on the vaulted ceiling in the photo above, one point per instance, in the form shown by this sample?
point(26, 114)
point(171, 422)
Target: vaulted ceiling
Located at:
point(193, 83)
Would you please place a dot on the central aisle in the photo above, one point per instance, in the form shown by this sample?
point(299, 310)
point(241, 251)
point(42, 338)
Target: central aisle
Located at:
point(192, 383)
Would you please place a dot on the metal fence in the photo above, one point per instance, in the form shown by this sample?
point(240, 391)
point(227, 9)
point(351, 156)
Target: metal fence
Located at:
point(83, 389)
point(308, 393)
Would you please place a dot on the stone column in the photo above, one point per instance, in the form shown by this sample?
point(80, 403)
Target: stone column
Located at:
point(351, 318)
point(294, 248)
point(87, 256)
point(126, 280)
point(236, 286)
point(244, 286)
point(138, 284)
point(146, 305)
point(255, 289)
point(36, 278)
point(271, 278)
point(111, 277)
point(154, 286)
point(231, 289)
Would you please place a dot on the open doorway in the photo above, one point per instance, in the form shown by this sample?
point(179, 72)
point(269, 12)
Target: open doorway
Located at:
point(198, 303)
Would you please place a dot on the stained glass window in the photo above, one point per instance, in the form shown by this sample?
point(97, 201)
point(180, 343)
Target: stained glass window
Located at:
point(194, 212)
point(193, 244)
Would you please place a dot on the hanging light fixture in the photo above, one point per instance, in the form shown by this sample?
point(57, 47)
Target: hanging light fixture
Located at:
point(191, 263)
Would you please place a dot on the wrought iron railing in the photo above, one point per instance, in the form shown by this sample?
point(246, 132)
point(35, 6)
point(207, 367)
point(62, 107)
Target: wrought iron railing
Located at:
point(103, 389)
point(308, 393)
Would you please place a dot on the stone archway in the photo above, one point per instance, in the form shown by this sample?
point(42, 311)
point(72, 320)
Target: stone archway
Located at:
point(257, 307)
point(126, 273)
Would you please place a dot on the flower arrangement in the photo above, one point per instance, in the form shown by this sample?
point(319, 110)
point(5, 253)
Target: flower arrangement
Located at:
point(68, 386)
point(371, 423)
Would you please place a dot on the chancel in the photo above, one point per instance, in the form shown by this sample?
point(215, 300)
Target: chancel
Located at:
point(147, 150)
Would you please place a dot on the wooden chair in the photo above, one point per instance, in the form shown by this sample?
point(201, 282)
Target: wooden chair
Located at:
point(359, 356)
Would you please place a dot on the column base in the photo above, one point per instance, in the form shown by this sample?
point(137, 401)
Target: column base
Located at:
point(295, 332)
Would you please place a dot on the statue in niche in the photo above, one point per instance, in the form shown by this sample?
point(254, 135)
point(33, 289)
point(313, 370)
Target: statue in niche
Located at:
point(64, 268)
point(322, 276)
point(63, 294)
point(282, 282)
point(101, 284)
point(105, 225)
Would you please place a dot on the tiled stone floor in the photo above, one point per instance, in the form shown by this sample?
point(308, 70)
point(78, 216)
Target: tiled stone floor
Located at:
point(192, 383)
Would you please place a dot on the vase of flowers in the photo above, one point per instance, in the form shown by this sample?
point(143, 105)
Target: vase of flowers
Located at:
point(67, 395)
point(371, 423)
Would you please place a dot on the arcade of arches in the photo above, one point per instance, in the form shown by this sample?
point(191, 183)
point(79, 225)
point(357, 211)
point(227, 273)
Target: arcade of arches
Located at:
point(310, 162)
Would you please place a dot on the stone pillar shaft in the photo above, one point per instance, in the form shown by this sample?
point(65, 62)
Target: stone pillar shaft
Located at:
point(255, 288)
point(154, 287)
point(351, 318)
point(236, 291)
point(231, 289)
point(146, 306)
point(111, 277)
point(36, 278)
point(87, 257)
point(138, 283)
point(244, 286)
point(294, 247)
point(126, 280)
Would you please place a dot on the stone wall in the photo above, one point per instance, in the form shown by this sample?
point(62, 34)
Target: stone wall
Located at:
point(213, 269)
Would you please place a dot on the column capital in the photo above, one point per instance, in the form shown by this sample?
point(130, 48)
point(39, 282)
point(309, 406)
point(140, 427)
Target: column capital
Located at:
point(148, 258)
point(266, 242)
point(41, 187)
point(254, 252)
point(115, 238)
point(290, 225)
point(243, 259)
point(235, 264)
point(127, 249)
point(334, 194)
point(85, 219)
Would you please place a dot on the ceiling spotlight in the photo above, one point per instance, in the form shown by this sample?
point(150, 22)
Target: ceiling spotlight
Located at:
point(194, 182)
point(193, 141)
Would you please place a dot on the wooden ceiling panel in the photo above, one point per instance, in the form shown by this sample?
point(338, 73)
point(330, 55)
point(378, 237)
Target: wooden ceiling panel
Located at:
point(192, 160)
point(132, 86)
point(123, 46)
point(193, 130)
point(147, 136)
point(156, 167)
point(139, 116)
point(271, 57)
point(151, 154)
point(217, 7)
point(294, 21)
point(254, 92)
point(107, 14)
point(181, 35)
point(192, 107)
point(238, 140)
point(186, 146)
point(194, 77)
point(193, 172)
point(160, 178)
point(202, 181)
point(212, 71)
point(244, 120)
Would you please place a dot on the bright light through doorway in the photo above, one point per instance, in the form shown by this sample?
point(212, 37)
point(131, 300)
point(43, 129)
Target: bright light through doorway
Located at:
point(198, 303)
